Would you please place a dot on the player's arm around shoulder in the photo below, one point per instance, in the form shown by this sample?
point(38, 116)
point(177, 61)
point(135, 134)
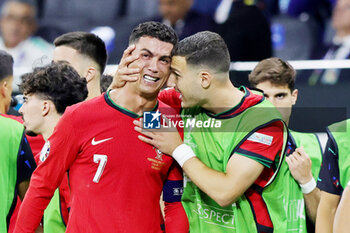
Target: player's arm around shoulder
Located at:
point(224, 188)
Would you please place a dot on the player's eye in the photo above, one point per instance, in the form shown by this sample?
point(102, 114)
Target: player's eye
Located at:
point(145, 55)
point(165, 61)
point(280, 96)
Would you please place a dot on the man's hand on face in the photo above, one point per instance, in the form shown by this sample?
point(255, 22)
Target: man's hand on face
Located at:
point(125, 73)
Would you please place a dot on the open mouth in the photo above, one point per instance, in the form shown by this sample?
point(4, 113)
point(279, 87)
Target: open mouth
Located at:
point(148, 78)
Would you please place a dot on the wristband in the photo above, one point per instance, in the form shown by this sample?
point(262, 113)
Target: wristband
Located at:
point(308, 187)
point(183, 153)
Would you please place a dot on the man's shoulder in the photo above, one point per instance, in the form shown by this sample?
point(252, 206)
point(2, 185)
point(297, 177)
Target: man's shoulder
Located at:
point(9, 121)
point(85, 108)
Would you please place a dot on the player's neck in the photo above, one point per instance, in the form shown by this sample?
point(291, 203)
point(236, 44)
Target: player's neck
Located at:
point(132, 101)
point(94, 91)
point(223, 99)
point(49, 126)
point(2, 108)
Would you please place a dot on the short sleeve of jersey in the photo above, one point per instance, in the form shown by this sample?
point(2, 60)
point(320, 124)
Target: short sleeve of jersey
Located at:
point(25, 161)
point(173, 186)
point(170, 97)
point(264, 145)
point(328, 180)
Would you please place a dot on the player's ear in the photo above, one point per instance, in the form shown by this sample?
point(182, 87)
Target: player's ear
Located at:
point(90, 73)
point(3, 87)
point(206, 78)
point(45, 108)
point(294, 96)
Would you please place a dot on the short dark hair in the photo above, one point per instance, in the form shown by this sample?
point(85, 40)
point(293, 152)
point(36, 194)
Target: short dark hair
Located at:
point(105, 81)
point(274, 70)
point(6, 65)
point(58, 82)
point(87, 44)
point(205, 48)
point(156, 30)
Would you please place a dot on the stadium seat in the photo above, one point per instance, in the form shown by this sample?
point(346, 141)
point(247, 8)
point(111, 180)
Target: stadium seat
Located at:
point(293, 38)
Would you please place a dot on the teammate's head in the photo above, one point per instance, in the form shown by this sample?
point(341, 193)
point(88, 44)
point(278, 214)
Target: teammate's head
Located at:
point(6, 79)
point(154, 43)
point(48, 91)
point(200, 62)
point(18, 21)
point(87, 53)
point(276, 78)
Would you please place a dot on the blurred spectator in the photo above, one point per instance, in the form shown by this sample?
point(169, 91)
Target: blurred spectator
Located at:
point(18, 24)
point(206, 7)
point(185, 21)
point(296, 7)
point(339, 49)
point(316, 11)
point(245, 30)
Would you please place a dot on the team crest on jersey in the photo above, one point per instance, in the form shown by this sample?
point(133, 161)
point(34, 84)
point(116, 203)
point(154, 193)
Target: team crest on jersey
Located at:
point(159, 154)
point(157, 161)
point(45, 151)
point(261, 138)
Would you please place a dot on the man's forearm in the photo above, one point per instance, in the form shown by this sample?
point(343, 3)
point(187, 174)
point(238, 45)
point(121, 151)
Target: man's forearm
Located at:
point(326, 212)
point(224, 188)
point(341, 220)
point(311, 202)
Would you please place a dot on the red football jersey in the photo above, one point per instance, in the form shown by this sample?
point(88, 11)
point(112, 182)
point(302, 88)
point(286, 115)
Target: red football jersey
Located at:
point(115, 179)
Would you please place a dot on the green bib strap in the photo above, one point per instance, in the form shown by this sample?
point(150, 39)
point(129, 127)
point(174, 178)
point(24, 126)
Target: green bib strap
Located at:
point(214, 147)
point(10, 140)
point(341, 134)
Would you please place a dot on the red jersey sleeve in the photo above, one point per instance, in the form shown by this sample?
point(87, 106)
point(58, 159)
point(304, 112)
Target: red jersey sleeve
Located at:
point(175, 215)
point(170, 97)
point(264, 145)
point(61, 150)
